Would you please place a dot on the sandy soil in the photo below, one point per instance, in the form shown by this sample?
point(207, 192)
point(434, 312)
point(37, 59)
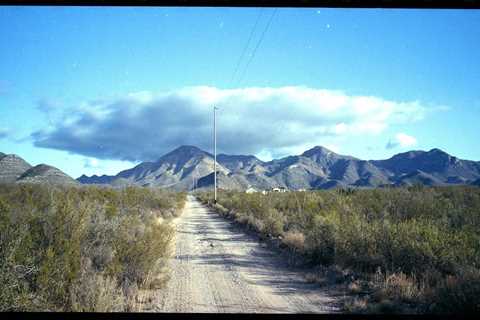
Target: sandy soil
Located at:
point(219, 268)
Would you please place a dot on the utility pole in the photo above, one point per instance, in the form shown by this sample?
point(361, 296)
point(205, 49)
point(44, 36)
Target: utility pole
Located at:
point(195, 179)
point(215, 154)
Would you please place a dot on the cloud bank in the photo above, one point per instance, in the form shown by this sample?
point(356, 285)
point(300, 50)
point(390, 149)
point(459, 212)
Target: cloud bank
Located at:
point(403, 140)
point(143, 126)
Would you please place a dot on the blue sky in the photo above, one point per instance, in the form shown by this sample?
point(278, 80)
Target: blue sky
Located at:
point(96, 90)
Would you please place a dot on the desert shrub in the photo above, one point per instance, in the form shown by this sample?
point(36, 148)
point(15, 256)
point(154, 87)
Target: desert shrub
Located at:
point(273, 221)
point(78, 248)
point(138, 247)
point(256, 224)
point(94, 291)
point(427, 233)
point(396, 286)
point(458, 294)
point(295, 241)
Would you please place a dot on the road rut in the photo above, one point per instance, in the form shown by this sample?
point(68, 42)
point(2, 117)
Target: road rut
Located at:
point(218, 268)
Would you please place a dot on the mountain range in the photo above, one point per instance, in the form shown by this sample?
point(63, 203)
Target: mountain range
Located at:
point(13, 169)
point(317, 168)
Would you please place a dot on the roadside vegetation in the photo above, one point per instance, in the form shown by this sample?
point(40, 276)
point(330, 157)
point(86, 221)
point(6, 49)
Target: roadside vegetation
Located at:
point(410, 249)
point(82, 248)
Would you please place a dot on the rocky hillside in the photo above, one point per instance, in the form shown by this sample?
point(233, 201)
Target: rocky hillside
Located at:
point(317, 168)
point(14, 169)
point(176, 170)
point(45, 174)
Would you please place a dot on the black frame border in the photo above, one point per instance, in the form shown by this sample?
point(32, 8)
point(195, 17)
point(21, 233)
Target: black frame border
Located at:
point(393, 4)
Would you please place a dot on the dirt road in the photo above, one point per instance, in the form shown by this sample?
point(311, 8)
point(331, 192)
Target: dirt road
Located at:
point(218, 268)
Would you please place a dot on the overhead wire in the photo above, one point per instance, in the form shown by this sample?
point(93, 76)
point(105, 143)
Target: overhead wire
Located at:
point(257, 46)
point(260, 13)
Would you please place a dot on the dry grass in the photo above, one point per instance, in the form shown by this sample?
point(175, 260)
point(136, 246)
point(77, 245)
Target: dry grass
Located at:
point(295, 241)
point(357, 305)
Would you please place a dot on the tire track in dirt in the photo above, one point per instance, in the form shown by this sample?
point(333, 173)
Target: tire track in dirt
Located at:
point(217, 268)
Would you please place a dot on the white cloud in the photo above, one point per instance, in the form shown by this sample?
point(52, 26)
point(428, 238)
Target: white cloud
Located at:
point(403, 140)
point(340, 128)
point(91, 163)
point(257, 120)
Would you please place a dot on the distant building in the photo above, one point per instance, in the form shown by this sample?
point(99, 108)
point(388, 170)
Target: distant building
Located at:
point(279, 189)
point(302, 190)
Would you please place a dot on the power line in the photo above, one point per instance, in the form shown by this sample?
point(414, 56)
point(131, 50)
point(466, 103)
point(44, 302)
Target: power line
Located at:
point(260, 13)
point(257, 46)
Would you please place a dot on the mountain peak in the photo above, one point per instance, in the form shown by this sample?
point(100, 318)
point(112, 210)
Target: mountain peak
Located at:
point(185, 151)
point(408, 154)
point(186, 148)
point(317, 150)
point(226, 157)
point(12, 156)
point(11, 167)
point(437, 151)
point(39, 169)
point(95, 179)
point(44, 173)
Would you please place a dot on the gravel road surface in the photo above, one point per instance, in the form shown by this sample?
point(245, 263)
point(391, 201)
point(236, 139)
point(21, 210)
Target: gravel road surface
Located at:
point(218, 268)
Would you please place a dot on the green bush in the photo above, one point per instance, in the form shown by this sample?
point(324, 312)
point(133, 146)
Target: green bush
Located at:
point(427, 233)
point(458, 294)
point(80, 248)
